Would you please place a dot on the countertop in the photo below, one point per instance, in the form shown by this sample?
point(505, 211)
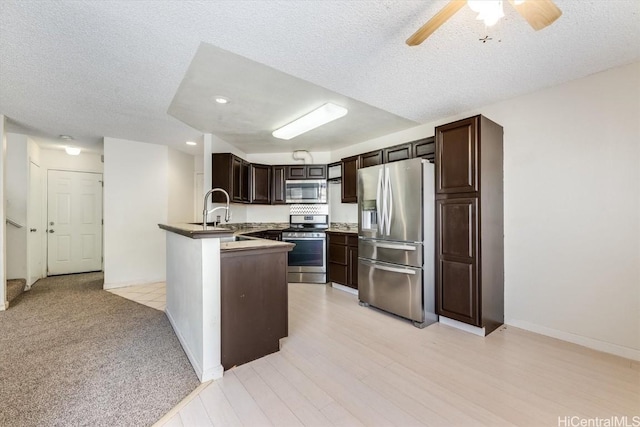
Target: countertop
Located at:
point(197, 231)
point(343, 230)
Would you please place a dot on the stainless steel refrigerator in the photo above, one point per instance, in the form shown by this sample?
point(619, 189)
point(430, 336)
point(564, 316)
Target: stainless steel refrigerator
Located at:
point(396, 239)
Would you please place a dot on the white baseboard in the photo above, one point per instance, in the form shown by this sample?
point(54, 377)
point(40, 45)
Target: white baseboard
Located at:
point(4, 306)
point(344, 288)
point(212, 373)
point(108, 286)
point(615, 349)
point(463, 326)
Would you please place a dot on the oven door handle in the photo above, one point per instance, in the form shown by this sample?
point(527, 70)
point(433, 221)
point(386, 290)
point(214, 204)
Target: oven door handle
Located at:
point(287, 239)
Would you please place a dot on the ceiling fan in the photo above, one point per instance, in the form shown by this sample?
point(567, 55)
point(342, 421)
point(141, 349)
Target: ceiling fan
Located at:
point(538, 13)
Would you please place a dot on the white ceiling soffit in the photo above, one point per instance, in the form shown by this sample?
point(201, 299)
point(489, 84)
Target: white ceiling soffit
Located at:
point(111, 68)
point(263, 99)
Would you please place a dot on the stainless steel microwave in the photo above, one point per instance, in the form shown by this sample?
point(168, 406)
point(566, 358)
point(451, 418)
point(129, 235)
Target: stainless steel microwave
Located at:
point(306, 191)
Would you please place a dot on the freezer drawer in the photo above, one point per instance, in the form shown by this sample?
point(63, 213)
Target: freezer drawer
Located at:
point(405, 253)
point(391, 287)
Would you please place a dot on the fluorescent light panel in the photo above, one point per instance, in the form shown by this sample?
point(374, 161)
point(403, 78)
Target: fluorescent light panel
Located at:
point(318, 117)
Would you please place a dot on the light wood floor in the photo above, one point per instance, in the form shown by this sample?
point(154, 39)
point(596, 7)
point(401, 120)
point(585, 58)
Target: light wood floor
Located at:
point(346, 365)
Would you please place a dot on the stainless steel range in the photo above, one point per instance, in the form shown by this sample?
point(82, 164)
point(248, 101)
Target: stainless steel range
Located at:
point(308, 259)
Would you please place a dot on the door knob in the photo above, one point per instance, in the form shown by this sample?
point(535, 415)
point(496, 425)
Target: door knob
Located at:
point(50, 231)
point(33, 230)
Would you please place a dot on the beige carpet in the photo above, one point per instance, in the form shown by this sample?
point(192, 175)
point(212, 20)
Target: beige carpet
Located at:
point(73, 354)
point(15, 288)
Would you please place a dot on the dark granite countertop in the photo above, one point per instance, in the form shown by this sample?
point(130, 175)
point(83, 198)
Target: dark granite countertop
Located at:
point(197, 231)
point(343, 230)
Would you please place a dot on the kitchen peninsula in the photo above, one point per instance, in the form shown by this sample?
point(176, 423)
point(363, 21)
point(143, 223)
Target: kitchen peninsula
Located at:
point(226, 298)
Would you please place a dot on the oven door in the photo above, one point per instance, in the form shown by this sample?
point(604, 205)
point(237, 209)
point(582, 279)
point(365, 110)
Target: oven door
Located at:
point(307, 260)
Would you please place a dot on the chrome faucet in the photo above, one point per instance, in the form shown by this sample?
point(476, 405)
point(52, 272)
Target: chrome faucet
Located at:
point(205, 212)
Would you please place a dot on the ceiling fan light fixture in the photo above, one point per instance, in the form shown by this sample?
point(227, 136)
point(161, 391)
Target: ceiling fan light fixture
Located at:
point(489, 11)
point(316, 118)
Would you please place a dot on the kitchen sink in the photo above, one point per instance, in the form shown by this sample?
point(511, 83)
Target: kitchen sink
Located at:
point(210, 224)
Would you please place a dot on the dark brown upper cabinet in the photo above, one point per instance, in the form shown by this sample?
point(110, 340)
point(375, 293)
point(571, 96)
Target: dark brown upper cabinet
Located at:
point(456, 157)
point(398, 152)
point(371, 158)
point(278, 175)
point(470, 222)
point(231, 173)
point(350, 179)
point(425, 148)
point(307, 172)
point(296, 172)
point(260, 184)
point(317, 171)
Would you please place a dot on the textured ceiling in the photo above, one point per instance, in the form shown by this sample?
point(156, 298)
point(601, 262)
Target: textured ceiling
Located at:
point(263, 99)
point(112, 68)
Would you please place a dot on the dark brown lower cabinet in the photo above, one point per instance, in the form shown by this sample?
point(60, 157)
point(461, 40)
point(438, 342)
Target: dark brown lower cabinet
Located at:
point(457, 251)
point(342, 256)
point(253, 304)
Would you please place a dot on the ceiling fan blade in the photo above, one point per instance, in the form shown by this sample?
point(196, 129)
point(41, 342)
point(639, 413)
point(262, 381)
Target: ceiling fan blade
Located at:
point(538, 13)
point(434, 23)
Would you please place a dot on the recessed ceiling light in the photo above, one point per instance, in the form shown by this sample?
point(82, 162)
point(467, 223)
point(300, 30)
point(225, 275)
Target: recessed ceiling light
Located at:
point(72, 151)
point(221, 100)
point(192, 143)
point(66, 137)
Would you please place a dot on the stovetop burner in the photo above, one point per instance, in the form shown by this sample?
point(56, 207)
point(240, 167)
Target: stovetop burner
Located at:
point(308, 223)
point(294, 228)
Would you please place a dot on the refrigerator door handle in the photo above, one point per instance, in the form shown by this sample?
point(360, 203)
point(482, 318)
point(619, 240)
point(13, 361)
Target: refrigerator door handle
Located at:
point(398, 247)
point(388, 268)
point(379, 210)
point(389, 192)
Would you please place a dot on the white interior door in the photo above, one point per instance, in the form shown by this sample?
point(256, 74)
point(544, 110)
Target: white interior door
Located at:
point(34, 222)
point(74, 222)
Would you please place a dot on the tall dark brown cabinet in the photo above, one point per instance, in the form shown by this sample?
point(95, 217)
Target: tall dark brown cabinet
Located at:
point(469, 222)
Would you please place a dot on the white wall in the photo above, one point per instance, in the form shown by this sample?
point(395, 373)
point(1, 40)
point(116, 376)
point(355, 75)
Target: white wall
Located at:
point(286, 158)
point(572, 210)
point(572, 207)
point(338, 211)
point(36, 218)
point(3, 241)
point(16, 193)
point(60, 160)
point(135, 201)
point(181, 186)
